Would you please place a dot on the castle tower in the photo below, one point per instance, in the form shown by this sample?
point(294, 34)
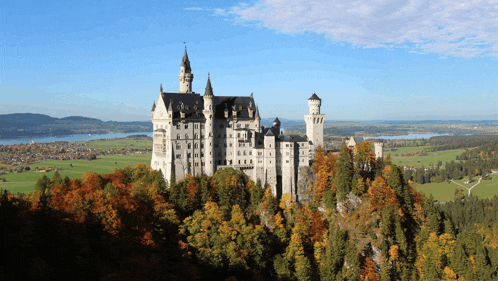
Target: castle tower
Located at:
point(185, 76)
point(314, 121)
point(209, 129)
point(379, 149)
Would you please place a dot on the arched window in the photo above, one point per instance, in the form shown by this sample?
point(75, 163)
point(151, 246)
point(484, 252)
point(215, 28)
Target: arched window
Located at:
point(186, 136)
point(244, 152)
point(178, 146)
point(250, 161)
point(238, 153)
point(196, 145)
point(245, 161)
point(189, 145)
point(178, 136)
point(196, 136)
point(238, 135)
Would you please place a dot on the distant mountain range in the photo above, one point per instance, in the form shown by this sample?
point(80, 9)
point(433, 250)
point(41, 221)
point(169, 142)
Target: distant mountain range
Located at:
point(19, 125)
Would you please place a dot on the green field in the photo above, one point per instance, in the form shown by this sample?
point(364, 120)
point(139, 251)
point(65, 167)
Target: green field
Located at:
point(431, 159)
point(119, 144)
point(25, 182)
point(445, 191)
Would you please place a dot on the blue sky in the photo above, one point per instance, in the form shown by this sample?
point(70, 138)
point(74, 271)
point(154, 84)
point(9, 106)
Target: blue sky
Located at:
point(367, 60)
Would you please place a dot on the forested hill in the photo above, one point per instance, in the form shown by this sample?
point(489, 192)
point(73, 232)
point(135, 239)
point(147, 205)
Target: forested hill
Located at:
point(19, 125)
point(358, 219)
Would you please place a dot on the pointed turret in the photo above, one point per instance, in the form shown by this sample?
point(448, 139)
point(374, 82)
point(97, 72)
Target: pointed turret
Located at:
point(209, 89)
point(186, 62)
point(154, 106)
point(257, 112)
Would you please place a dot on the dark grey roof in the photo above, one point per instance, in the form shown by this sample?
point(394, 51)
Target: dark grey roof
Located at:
point(193, 100)
point(241, 105)
point(209, 89)
point(276, 120)
point(314, 97)
point(291, 138)
point(257, 113)
point(154, 106)
point(269, 133)
point(189, 101)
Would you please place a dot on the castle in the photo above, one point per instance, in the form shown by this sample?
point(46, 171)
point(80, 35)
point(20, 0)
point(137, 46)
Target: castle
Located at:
point(196, 134)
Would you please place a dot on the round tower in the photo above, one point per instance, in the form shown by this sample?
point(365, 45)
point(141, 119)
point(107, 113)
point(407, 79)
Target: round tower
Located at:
point(314, 121)
point(209, 128)
point(185, 76)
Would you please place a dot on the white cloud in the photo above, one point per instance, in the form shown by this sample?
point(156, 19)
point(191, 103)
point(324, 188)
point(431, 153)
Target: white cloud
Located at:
point(448, 27)
point(194, 9)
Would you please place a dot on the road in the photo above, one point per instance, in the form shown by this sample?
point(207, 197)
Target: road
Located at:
point(468, 188)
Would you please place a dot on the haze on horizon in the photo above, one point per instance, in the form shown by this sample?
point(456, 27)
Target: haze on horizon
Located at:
point(388, 60)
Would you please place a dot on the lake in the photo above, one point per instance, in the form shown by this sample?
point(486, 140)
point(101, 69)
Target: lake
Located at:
point(74, 138)
point(409, 136)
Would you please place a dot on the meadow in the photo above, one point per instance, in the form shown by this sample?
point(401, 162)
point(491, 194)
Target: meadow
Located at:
point(25, 181)
point(431, 159)
point(444, 191)
point(111, 144)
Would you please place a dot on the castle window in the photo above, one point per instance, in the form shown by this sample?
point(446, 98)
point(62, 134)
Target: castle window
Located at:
point(189, 146)
point(178, 156)
point(186, 136)
point(245, 161)
point(196, 145)
point(196, 136)
point(230, 144)
point(250, 152)
point(196, 126)
point(178, 126)
point(240, 107)
point(247, 125)
point(245, 153)
point(238, 125)
point(202, 154)
point(250, 161)
point(196, 102)
point(202, 145)
point(238, 153)
point(178, 107)
point(186, 126)
point(180, 102)
point(178, 136)
point(178, 146)
point(189, 155)
point(238, 135)
point(239, 161)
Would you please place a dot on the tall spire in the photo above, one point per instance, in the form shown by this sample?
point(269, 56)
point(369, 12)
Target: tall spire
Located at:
point(257, 112)
point(209, 89)
point(186, 62)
